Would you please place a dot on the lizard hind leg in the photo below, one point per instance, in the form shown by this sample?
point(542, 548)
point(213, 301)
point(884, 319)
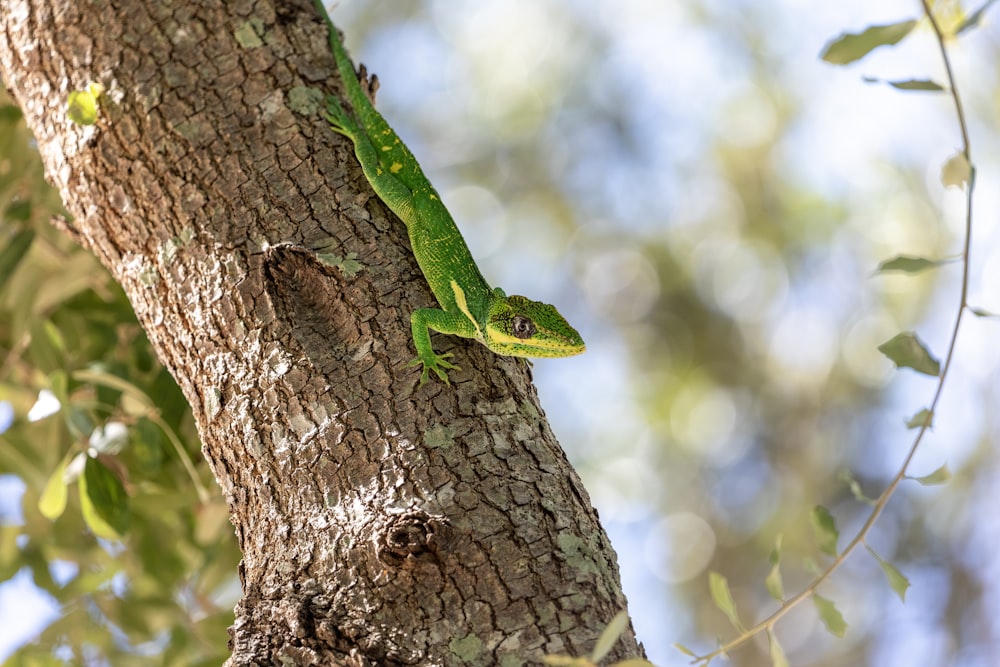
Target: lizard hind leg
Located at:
point(369, 84)
point(340, 121)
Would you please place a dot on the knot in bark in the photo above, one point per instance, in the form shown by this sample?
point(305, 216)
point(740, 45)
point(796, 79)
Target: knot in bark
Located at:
point(411, 535)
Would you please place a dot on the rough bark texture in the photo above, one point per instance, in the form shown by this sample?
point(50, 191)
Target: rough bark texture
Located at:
point(380, 523)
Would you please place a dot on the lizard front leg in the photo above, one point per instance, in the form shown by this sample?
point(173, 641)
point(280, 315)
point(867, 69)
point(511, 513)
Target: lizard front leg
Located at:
point(422, 320)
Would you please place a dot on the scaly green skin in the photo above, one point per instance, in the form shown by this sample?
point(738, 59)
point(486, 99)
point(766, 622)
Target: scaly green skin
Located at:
point(510, 325)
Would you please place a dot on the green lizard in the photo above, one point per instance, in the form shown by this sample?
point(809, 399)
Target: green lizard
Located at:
point(509, 325)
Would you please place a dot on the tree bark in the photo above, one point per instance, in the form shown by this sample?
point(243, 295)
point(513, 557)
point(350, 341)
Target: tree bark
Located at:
point(381, 523)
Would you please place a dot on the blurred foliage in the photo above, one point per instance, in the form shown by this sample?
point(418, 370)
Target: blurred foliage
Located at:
point(90, 403)
point(709, 204)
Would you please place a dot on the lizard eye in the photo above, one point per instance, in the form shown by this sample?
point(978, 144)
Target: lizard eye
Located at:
point(522, 327)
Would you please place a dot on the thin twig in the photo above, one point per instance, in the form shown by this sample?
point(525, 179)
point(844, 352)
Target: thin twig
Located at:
point(883, 500)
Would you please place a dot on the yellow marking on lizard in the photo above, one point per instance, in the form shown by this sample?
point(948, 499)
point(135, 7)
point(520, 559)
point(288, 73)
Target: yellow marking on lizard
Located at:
point(464, 307)
point(396, 167)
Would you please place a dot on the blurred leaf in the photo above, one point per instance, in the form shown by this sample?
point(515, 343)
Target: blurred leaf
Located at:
point(925, 85)
point(849, 47)
point(825, 528)
point(939, 476)
point(103, 500)
point(778, 658)
point(685, 650)
point(855, 487)
point(10, 113)
point(981, 312)
point(906, 351)
point(566, 661)
point(917, 84)
point(18, 210)
point(921, 419)
point(45, 350)
point(908, 264)
point(211, 520)
point(59, 384)
point(830, 616)
point(956, 171)
point(82, 105)
point(147, 445)
point(633, 662)
point(897, 581)
point(973, 20)
point(79, 423)
point(52, 502)
point(719, 586)
point(12, 252)
point(609, 637)
point(134, 407)
point(775, 556)
point(772, 582)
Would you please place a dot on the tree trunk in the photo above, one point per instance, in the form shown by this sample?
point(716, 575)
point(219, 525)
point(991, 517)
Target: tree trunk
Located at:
point(381, 523)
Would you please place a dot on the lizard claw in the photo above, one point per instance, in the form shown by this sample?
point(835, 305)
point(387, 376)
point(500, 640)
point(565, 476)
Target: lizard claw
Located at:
point(437, 364)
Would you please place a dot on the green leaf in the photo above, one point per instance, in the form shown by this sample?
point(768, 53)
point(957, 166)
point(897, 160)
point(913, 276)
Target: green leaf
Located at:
point(13, 252)
point(939, 476)
point(825, 528)
point(830, 616)
point(974, 18)
point(18, 211)
point(772, 582)
point(855, 487)
point(78, 422)
point(908, 264)
point(906, 351)
point(925, 85)
point(956, 172)
point(723, 598)
point(103, 501)
point(982, 312)
point(685, 650)
point(82, 105)
point(921, 419)
point(566, 661)
point(147, 446)
point(811, 567)
point(897, 581)
point(778, 658)
point(849, 47)
point(52, 502)
point(610, 636)
point(10, 113)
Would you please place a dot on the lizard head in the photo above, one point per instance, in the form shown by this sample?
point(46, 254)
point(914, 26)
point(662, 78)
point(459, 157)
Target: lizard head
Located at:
point(520, 327)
